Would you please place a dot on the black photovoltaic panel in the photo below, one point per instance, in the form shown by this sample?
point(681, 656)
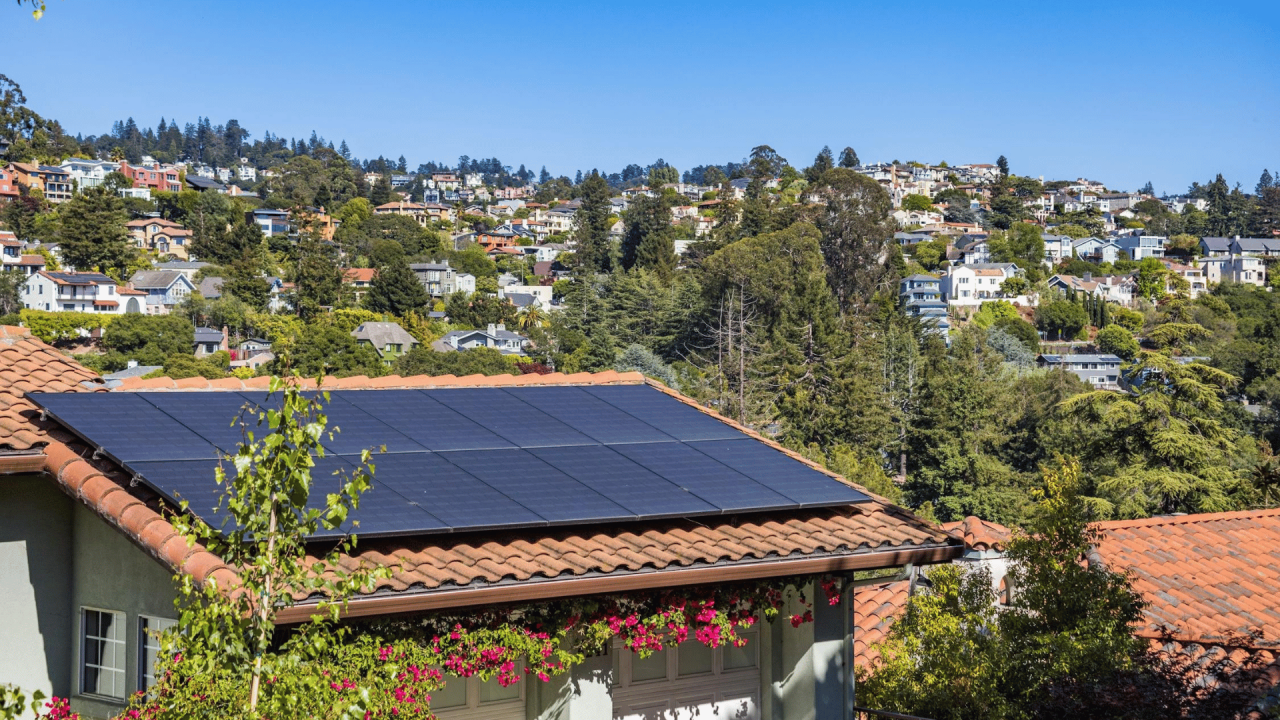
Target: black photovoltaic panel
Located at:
point(419, 417)
point(459, 500)
point(799, 482)
point(719, 485)
point(662, 411)
point(471, 459)
point(537, 486)
point(210, 416)
point(127, 427)
point(509, 418)
point(589, 415)
point(637, 490)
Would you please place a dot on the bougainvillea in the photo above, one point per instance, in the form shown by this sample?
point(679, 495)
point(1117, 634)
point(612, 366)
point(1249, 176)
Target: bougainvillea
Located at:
point(389, 668)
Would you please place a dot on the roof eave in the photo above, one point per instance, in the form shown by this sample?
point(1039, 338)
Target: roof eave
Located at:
point(552, 589)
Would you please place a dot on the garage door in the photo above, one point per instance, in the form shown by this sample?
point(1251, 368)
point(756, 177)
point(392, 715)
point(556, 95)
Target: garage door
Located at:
point(691, 681)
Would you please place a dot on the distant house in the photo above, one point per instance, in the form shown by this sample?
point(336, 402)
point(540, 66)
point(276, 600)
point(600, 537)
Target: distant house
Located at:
point(159, 235)
point(1098, 370)
point(88, 173)
point(1116, 288)
point(359, 280)
point(209, 341)
point(1097, 250)
point(203, 184)
point(186, 267)
point(153, 177)
point(270, 221)
point(974, 249)
point(1195, 276)
point(164, 289)
point(497, 337)
point(523, 296)
point(921, 296)
point(440, 280)
point(1236, 268)
point(8, 184)
point(973, 284)
point(387, 339)
point(54, 182)
point(1057, 248)
point(1265, 247)
point(86, 292)
point(1142, 246)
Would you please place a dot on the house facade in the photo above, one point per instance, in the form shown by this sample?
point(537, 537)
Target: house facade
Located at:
point(155, 176)
point(1235, 268)
point(84, 292)
point(387, 339)
point(164, 289)
point(440, 280)
point(162, 236)
point(496, 337)
point(973, 284)
point(1101, 371)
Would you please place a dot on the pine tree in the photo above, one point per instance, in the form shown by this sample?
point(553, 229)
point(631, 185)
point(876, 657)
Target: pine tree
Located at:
point(543, 176)
point(402, 165)
point(848, 158)
point(245, 281)
point(1266, 181)
point(1003, 163)
point(344, 151)
point(316, 276)
point(647, 216)
point(93, 233)
point(380, 194)
point(822, 163)
point(592, 232)
point(657, 252)
point(395, 289)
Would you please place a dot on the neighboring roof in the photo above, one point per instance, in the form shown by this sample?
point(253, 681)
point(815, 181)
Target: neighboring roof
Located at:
point(32, 260)
point(135, 371)
point(28, 365)
point(364, 275)
point(143, 222)
point(210, 287)
point(1208, 578)
point(200, 183)
point(521, 300)
point(875, 607)
point(921, 278)
point(1080, 358)
point(155, 279)
point(980, 534)
point(77, 278)
point(208, 335)
point(181, 265)
point(380, 334)
point(1216, 244)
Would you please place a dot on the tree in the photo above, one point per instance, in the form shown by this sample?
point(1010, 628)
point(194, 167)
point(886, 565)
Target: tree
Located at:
point(326, 349)
point(245, 281)
point(649, 239)
point(592, 226)
point(1118, 341)
point(640, 359)
point(848, 158)
point(1152, 279)
point(149, 339)
point(20, 216)
point(423, 360)
point(920, 203)
point(1265, 182)
point(380, 194)
point(395, 289)
point(856, 233)
point(11, 284)
point(1147, 189)
point(1061, 317)
point(1002, 163)
point(821, 164)
point(93, 233)
point(316, 277)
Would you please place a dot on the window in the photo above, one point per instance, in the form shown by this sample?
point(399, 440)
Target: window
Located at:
point(102, 653)
point(149, 648)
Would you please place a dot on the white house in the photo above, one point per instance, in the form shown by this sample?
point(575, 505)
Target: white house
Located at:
point(1097, 250)
point(1056, 249)
point(89, 173)
point(497, 337)
point(1098, 370)
point(526, 295)
point(1142, 246)
point(972, 285)
point(85, 292)
point(1236, 268)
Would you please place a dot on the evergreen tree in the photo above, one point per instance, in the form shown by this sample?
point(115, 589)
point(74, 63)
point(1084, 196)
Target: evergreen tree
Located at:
point(402, 165)
point(93, 233)
point(381, 192)
point(577, 179)
point(245, 280)
point(656, 252)
point(1147, 189)
point(1003, 164)
point(1266, 181)
point(344, 151)
point(848, 158)
point(821, 164)
point(543, 176)
point(316, 276)
point(646, 216)
point(395, 289)
point(592, 231)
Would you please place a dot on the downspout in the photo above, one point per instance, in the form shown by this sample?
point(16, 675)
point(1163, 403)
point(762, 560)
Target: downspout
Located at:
point(850, 629)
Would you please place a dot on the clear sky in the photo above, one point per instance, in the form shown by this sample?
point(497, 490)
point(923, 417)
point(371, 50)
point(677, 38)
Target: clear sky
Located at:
point(1123, 92)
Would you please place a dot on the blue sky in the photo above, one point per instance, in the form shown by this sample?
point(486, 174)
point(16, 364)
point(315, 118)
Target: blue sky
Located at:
point(1121, 92)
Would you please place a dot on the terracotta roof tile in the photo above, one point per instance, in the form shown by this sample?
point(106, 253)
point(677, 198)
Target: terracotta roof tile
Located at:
point(28, 365)
point(875, 607)
point(1209, 578)
point(980, 534)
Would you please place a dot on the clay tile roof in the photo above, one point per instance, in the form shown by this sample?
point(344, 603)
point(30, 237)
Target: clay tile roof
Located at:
point(875, 607)
point(452, 570)
point(28, 365)
point(980, 534)
point(1208, 578)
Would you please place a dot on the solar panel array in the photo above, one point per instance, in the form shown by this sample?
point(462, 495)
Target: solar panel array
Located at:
point(470, 459)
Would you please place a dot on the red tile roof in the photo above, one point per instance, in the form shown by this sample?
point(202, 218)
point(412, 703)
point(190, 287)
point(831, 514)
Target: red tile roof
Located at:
point(1209, 578)
point(28, 365)
point(875, 607)
point(980, 534)
point(460, 570)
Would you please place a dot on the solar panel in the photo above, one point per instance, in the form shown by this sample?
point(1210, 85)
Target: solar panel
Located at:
point(630, 486)
point(660, 410)
point(509, 418)
point(449, 493)
point(471, 459)
point(797, 481)
point(127, 427)
point(714, 482)
point(210, 416)
point(589, 415)
point(417, 416)
point(537, 486)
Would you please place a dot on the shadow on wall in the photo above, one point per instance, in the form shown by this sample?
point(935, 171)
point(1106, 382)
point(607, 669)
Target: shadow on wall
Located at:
point(35, 585)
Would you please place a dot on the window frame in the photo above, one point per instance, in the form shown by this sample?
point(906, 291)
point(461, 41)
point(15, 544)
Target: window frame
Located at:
point(144, 638)
point(82, 664)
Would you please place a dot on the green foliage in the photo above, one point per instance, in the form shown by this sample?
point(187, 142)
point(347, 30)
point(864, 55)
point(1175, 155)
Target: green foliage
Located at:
point(920, 203)
point(856, 231)
point(316, 275)
point(395, 289)
point(478, 310)
point(187, 366)
point(1021, 329)
point(473, 260)
point(422, 360)
point(930, 253)
point(1011, 348)
point(11, 283)
point(1061, 317)
point(991, 312)
point(592, 229)
point(1117, 340)
point(149, 339)
point(92, 232)
point(326, 349)
point(1131, 320)
point(640, 359)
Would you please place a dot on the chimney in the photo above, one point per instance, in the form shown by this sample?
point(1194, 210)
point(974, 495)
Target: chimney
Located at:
point(131, 364)
point(492, 328)
point(502, 327)
point(1088, 277)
